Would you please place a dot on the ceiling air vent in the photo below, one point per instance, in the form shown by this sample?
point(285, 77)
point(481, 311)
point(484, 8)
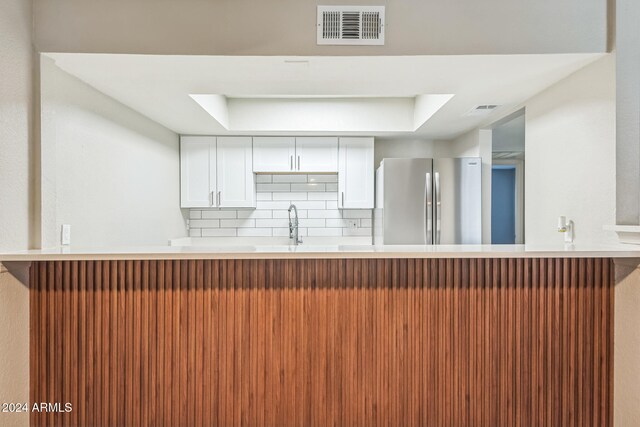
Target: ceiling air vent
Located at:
point(351, 25)
point(482, 110)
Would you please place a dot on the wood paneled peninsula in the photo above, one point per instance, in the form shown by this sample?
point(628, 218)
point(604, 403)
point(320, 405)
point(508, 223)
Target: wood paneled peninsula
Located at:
point(278, 336)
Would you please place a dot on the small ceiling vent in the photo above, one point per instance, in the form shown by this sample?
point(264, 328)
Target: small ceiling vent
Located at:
point(482, 110)
point(351, 25)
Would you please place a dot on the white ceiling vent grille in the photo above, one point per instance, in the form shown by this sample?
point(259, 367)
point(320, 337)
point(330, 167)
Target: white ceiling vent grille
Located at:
point(351, 25)
point(482, 110)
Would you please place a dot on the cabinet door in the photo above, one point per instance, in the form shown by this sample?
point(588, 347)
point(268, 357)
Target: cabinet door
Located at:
point(355, 175)
point(273, 154)
point(236, 180)
point(197, 171)
point(317, 154)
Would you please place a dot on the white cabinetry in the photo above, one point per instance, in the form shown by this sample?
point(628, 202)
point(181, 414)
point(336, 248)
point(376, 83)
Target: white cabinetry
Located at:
point(317, 154)
point(219, 172)
point(355, 173)
point(274, 154)
point(216, 172)
point(197, 171)
point(235, 178)
point(289, 154)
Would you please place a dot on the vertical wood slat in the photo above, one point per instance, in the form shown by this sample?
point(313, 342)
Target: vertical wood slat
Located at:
point(479, 342)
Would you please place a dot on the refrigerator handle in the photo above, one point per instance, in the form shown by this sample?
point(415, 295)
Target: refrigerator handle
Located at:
point(429, 208)
point(438, 207)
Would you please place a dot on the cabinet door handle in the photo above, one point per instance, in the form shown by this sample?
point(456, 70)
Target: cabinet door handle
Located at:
point(219, 198)
point(298, 162)
point(291, 163)
point(342, 204)
point(211, 199)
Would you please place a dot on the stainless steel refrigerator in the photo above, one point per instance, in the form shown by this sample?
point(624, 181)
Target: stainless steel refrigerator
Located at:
point(428, 201)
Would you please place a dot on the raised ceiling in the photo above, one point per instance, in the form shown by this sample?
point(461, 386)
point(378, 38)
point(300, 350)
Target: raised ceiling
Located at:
point(378, 95)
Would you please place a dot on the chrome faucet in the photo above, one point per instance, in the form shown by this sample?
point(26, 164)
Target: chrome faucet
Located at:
point(293, 225)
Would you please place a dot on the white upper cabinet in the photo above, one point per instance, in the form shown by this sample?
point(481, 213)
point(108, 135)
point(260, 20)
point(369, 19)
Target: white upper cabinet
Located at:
point(236, 180)
point(295, 154)
point(316, 154)
point(197, 171)
point(219, 172)
point(274, 154)
point(216, 172)
point(355, 174)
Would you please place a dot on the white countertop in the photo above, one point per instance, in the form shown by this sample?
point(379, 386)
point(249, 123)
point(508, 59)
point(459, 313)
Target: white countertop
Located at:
point(325, 251)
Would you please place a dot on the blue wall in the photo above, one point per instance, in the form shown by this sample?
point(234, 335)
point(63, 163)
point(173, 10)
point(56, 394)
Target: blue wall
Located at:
point(503, 204)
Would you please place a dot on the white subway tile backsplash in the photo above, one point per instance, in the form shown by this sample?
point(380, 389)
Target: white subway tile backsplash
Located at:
point(356, 231)
point(308, 187)
point(281, 232)
point(339, 222)
point(313, 204)
point(218, 214)
point(289, 178)
point(272, 223)
point(290, 196)
point(254, 232)
point(204, 223)
point(274, 187)
point(219, 232)
point(285, 213)
point(323, 196)
point(325, 231)
point(237, 223)
point(254, 214)
point(314, 195)
point(284, 232)
point(356, 213)
point(323, 178)
point(264, 204)
point(312, 222)
point(326, 213)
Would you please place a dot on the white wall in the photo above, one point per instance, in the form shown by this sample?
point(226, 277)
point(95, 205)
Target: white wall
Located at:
point(107, 170)
point(571, 156)
point(288, 27)
point(15, 122)
point(16, 180)
point(628, 112)
point(509, 136)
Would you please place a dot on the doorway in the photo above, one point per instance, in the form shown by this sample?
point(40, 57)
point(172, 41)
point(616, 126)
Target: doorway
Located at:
point(503, 204)
point(507, 181)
